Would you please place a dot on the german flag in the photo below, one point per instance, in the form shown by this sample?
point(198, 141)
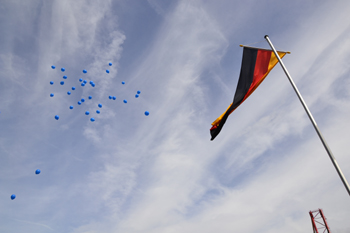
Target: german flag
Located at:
point(256, 65)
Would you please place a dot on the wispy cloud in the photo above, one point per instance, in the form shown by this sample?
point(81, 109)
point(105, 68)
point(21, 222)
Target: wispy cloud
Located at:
point(34, 223)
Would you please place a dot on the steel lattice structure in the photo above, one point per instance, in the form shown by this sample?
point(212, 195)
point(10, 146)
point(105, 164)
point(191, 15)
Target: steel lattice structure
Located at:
point(318, 221)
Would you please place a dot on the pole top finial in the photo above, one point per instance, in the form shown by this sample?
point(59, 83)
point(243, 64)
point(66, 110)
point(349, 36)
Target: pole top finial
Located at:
point(266, 36)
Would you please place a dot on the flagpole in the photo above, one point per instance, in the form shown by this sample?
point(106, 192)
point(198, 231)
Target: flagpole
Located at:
point(342, 177)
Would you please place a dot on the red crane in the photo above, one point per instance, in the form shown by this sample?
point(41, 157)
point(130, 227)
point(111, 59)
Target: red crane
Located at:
point(318, 221)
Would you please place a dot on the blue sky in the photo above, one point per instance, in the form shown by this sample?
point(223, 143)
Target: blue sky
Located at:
point(127, 172)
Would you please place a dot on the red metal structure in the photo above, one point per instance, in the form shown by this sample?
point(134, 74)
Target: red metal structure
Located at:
point(318, 221)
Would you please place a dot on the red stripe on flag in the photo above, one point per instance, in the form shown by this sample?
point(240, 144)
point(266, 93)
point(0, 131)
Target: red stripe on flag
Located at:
point(261, 67)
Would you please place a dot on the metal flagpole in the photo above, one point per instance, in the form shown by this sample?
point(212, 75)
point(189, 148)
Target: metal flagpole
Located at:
point(342, 177)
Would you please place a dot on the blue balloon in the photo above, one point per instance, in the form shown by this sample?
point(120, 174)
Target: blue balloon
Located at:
point(80, 80)
point(107, 71)
point(68, 93)
point(110, 64)
point(61, 82)
point(83, 100)
point(51, 94)
point(92, 119)
point(84, 71)
point(93, 85)
point(13, 196)
point(71, 107)
point(83, 84)
point(100, 105)
point(51, 82)
point(79, 102)
point(136, 96)
point(146, 113)
point(84, 81)
point(91, 82)
point(110, 97)
point(65, 77)
point(37, 171)
point(138, 92)
point(90, 97)
point(87, 113)
point(98, 111)
point(57, 117)
point(63, 69)
point(123, 82)
point(114, 97)
point(53, 67)
point(125, 101)
point(73, 88)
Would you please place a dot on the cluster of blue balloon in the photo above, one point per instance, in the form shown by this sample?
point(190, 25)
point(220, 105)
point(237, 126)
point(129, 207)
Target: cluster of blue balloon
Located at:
point(83, 83)
point(37, 171)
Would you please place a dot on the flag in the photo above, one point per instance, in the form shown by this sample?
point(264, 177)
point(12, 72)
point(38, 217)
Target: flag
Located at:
point(256, 65)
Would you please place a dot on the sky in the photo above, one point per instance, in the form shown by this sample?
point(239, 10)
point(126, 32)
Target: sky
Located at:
point(127, 172)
